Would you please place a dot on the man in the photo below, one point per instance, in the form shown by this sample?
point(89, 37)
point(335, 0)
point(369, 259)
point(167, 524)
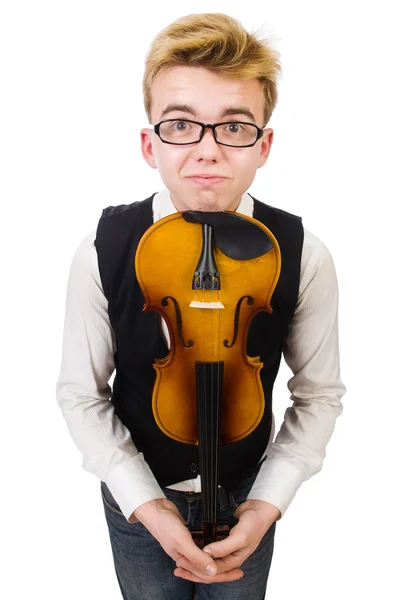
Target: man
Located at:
point(209, 90)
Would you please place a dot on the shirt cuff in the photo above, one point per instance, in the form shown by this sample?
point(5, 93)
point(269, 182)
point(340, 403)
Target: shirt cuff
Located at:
point(277, 482)
point(132, 483)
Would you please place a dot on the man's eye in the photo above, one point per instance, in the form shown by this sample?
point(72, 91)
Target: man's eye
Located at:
point(180, 125)
point(234, 127)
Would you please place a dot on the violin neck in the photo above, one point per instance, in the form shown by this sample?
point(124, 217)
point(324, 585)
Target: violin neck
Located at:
point(209, 386)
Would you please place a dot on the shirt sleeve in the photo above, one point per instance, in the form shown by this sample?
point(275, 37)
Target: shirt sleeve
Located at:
point(83, 390)
point(311, 350)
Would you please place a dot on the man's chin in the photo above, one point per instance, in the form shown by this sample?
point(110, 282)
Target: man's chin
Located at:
point(205, 200)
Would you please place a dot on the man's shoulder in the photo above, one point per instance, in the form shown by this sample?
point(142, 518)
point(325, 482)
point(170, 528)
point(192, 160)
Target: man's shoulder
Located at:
point(84, 258)
point(126, 209)
point(313, 244)
point(315, 254)
point(275, 211)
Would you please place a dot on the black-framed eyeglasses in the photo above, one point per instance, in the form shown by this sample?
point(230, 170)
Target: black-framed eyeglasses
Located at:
point(237, 134)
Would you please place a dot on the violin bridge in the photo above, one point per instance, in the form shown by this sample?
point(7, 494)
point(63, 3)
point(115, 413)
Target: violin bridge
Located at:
point(197, 304)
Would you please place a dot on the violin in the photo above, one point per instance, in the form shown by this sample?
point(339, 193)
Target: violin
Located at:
point(208, 274)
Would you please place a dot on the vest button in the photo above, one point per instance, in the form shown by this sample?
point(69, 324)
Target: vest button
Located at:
point(194, 468)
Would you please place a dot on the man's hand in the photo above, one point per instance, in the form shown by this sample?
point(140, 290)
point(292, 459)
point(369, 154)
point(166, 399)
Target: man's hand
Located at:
point(164, 521)
point(255, 518)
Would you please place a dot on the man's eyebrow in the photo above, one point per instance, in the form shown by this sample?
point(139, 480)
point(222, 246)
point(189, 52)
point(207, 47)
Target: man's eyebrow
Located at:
point(179, 108)
point(228, 112)
point(238, 110)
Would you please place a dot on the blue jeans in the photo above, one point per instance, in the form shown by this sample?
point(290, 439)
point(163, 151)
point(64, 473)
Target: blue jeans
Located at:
point(145, 571)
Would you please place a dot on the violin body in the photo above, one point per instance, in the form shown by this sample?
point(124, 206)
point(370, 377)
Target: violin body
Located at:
point(168, 253)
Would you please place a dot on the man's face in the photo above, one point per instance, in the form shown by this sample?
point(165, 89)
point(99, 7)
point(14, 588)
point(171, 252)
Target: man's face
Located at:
point(200, 95)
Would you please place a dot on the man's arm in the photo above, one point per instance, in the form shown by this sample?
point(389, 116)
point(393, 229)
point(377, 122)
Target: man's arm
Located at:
point(83, 391)
point(83, 394)
point(311, 351)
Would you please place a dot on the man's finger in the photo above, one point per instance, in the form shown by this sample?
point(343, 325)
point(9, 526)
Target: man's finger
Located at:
point(229, 563)
point(233, 543)
point(222, 578)
point(202, 562)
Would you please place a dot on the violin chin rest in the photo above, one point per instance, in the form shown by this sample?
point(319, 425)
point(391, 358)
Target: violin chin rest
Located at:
point(238, 237)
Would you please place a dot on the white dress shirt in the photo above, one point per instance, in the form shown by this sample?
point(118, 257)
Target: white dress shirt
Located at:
point(310, 349)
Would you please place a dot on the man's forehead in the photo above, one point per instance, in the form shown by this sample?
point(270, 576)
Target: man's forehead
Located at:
point(197, 91)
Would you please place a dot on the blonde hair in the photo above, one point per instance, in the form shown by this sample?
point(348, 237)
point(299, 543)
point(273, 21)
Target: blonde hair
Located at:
point(219, 43)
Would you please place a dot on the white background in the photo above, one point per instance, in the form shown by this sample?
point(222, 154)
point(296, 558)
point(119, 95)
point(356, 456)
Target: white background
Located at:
point(71, 112)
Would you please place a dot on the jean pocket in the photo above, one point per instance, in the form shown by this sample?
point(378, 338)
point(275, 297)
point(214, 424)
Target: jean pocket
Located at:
point(109, 501)
point(232, 501)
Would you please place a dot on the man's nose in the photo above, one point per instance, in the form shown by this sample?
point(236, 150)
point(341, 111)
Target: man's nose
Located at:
point(208, 147)
point(209, 133)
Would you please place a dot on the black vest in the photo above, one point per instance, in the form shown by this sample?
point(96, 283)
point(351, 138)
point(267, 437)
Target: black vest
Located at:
point(140, 341)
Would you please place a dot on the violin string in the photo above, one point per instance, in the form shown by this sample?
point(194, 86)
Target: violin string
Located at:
point(209, 465)
point(213, 407)
point(219, 399)
point(215, 442)
point(209, 456)
point(211, 400)
point(216, 416)
point(213, 456)
point(206, 441)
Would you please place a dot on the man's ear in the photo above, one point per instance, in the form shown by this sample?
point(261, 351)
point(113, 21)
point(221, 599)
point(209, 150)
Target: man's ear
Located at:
point(147, 148)
point(266, 144)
